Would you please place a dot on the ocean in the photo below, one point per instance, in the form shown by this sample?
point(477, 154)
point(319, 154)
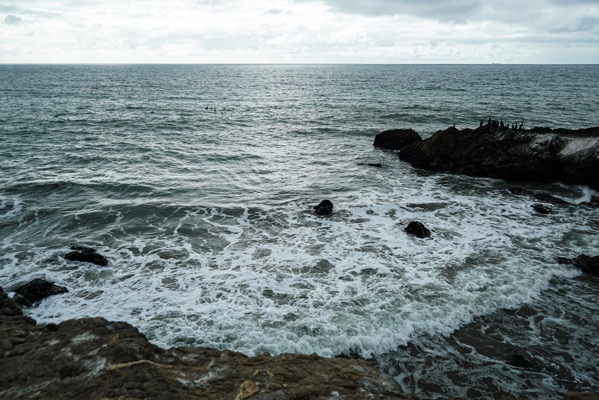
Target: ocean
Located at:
point(197, 182)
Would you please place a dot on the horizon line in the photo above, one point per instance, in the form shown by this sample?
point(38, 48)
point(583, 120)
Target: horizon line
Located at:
point(277, 63)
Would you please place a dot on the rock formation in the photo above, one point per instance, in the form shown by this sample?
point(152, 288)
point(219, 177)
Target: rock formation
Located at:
point(86, 254)
point(539, 154)
point(37, 290)
point(325, 207)
point(587, 264)
point(93, 358)
point(396, 139)
point(541, 209)
point(417, 229)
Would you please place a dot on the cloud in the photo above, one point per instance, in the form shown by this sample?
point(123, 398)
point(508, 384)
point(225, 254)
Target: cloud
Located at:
point(12, 20)
point(456, 10)
point(39, 12)
point(531, 12)
point(374, 31)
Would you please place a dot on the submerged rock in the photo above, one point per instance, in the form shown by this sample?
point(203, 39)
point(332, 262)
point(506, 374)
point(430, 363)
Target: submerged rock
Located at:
point(92, 358)
point(376, 165)
point(542, 209)
point(396, 139)
point(560, 156)
point(325, 207)
point(86, 254)
point(520, 361)
point(541, 196)
point(587, 264)
point(37, 290)
point(417, 229)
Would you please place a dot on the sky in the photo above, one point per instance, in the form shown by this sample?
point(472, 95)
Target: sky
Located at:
point(300, 31)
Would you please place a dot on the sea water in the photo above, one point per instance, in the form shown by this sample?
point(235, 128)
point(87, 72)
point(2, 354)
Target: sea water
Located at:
point(197, 182)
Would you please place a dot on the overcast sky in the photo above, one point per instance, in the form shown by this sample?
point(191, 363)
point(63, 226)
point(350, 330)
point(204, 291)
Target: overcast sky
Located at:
point(299, 31)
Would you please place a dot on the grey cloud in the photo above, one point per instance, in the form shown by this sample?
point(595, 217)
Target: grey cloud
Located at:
point(12, 20)
point(8, 9)
point(585, 24)
point(457, 10)
point(461, 11)
point(11, 9)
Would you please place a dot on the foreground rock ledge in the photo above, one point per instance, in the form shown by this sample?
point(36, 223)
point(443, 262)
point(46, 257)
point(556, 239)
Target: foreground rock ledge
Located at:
point(538, 154)
point(93, 358)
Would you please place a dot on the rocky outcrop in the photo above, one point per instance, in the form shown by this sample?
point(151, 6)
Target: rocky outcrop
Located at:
point(569, 156)
point(541, 209)
point(93, 358)
point(587, 264)
point(417, 228)
point(396, 139)
point(325, 207)
point(37, 290)
point(86, 254)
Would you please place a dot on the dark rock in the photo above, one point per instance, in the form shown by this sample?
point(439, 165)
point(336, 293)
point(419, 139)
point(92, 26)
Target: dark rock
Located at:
point(325, 207)
point(588, 264)
point(92, 358)
point(508, 154)
point(8, 307)
point(541, 209)
point(541, 196)
point(520, 361)
point(396, 139)
point(372, 165)
point(36, 290)
point(417, 229)
point(86, 254)
point(564, 260)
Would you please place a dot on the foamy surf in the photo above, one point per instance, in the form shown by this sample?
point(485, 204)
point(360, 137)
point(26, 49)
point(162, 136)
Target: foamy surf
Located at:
point(285, 280)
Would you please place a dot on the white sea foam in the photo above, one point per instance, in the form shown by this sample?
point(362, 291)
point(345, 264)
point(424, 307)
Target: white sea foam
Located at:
point(285, 280)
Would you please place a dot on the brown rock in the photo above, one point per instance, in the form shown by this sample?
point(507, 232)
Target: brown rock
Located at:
point(93, 358)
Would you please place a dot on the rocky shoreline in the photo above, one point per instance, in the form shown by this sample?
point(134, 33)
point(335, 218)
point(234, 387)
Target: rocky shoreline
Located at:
point(495, 150)
point(93, 358)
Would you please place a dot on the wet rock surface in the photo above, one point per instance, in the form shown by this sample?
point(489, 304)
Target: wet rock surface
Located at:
point(86, 254)
point(93, 358)
point(325, 207)
point(541, 209)
point(417, 228)
point(537, 155)
point(37, 290)
point(587, 264)
point(396, 139)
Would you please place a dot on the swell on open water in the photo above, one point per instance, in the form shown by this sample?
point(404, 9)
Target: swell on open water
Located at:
point(197, 183)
